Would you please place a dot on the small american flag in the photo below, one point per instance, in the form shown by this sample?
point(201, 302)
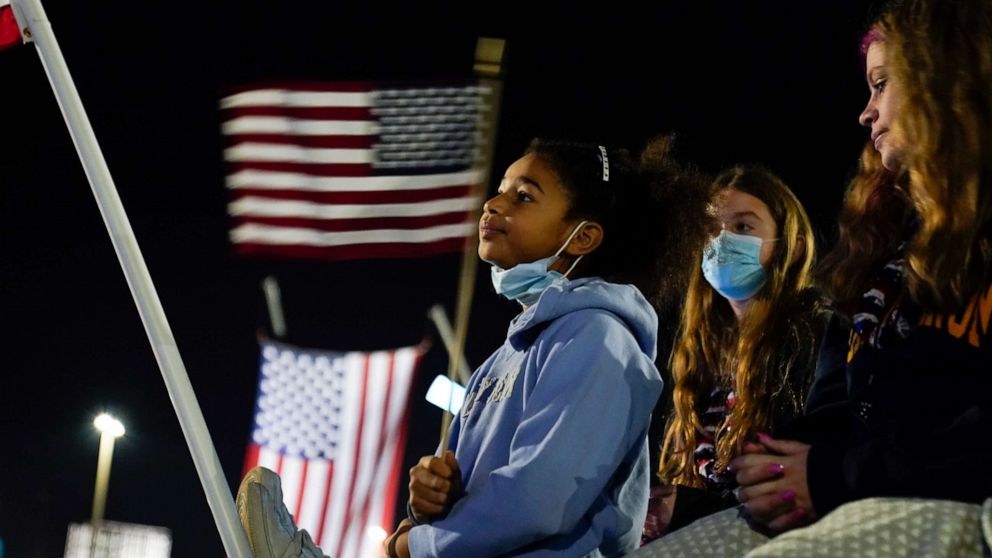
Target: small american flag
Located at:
point(351, 170)
point(333, 426)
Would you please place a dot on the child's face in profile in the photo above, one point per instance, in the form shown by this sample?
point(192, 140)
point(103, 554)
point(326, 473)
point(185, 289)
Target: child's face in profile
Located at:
point(525, 220)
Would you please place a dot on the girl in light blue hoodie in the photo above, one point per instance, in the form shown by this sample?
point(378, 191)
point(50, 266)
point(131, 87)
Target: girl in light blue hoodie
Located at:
point(549, 454)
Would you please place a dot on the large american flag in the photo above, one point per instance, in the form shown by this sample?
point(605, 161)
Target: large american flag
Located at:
point(352, 170)
point(333, 425)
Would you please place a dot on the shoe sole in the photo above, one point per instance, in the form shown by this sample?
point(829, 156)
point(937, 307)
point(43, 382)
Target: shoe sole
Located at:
point(250, 502)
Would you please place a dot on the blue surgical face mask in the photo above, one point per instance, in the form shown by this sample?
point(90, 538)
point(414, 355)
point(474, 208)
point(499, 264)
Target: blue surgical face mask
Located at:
point(526, 281)
point(732, 266)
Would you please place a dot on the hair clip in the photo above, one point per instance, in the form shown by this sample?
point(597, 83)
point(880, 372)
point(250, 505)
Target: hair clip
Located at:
point(606, 163)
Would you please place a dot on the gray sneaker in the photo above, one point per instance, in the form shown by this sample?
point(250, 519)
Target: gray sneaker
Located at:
point(268, 524)
point(987, 522)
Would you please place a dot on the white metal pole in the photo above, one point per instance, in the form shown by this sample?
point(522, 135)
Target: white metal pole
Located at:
point(31, 15)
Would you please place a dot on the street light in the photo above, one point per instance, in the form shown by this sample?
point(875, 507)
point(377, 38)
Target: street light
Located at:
point(110, 429)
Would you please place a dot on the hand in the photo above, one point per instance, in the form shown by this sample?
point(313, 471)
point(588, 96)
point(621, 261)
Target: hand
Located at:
point(753, 448)
point(660, 505)
point(397, 545)
point(435, 484)
point(773, 483)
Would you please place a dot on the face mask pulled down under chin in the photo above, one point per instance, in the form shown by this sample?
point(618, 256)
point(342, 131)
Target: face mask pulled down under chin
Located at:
point(525, 282)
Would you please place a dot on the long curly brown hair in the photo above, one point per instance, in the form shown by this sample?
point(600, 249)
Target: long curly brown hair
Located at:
point(714, 348)
point(875, 216)
point(940, 54)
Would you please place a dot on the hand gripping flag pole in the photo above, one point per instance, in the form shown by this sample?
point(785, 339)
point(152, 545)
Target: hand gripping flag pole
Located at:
point(35, 25)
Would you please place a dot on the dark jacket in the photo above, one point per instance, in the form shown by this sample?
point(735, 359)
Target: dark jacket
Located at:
point(912, 420)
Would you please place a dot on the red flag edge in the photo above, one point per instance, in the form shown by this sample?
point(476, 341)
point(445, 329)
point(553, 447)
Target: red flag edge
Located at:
point(10, 31)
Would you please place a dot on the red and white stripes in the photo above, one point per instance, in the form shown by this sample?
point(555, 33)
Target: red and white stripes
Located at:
point(343, 171)
point(346, 491)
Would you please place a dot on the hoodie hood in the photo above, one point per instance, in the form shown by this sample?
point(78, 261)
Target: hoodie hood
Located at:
point(624, 301)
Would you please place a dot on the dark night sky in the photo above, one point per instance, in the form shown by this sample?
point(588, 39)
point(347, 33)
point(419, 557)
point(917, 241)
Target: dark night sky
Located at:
point(773, 82)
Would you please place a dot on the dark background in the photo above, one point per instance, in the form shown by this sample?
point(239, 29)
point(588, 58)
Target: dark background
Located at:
point(773, 82)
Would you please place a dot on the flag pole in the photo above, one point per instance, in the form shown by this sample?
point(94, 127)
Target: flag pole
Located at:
point(32, 19)
point(273, 302)
point(443, 325)
point(488, 68)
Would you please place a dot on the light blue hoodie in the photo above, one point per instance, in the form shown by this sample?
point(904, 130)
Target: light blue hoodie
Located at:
point(552, 438)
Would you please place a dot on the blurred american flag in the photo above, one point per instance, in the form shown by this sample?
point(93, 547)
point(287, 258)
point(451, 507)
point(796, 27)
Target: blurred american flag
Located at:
point(353, 170)
point(333, 426)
